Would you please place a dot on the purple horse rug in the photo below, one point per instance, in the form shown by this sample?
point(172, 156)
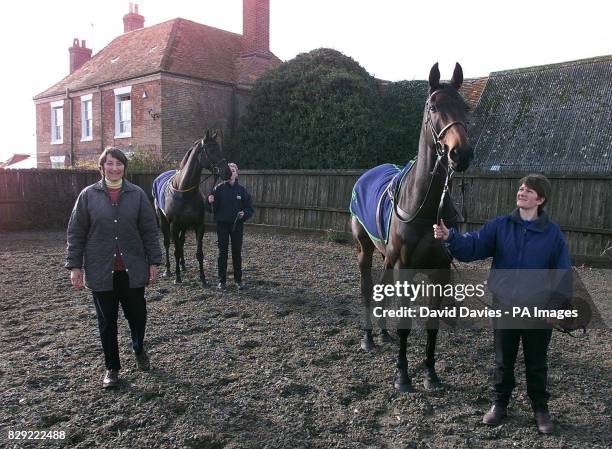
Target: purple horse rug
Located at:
point(159, 189)
point(371, 200)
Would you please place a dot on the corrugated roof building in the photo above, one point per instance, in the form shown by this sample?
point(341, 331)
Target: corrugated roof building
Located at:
point(553, 118)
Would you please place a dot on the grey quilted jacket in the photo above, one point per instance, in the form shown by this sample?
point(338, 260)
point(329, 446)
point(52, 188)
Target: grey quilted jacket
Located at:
point(97, 228)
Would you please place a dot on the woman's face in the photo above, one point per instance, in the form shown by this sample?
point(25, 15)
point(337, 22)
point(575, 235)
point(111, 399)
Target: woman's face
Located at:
point(234, 172)
point(113, 168)
point(527, 198)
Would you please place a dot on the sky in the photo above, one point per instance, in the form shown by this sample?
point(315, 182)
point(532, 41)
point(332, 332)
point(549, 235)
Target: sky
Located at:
point(393, 39)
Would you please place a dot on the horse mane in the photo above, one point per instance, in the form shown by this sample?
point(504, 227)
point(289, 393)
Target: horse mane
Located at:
point(187, 155)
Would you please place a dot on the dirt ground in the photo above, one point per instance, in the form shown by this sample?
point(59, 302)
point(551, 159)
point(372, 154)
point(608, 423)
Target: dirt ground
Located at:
point(275, 366)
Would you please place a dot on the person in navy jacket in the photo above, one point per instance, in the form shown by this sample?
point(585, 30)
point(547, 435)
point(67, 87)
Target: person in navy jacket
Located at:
point(531, 266)
point(232, 206)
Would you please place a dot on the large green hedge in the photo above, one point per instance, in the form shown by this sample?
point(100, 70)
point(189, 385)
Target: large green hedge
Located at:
point(323, 110)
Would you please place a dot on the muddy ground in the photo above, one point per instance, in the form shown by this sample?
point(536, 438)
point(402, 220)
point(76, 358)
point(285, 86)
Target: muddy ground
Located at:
point(275, 366)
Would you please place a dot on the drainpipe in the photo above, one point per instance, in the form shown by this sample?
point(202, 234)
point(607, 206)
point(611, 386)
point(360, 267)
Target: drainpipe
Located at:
point(71, 160)
point(101, 128)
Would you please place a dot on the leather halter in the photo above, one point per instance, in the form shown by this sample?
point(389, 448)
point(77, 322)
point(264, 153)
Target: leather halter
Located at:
point(439, 147)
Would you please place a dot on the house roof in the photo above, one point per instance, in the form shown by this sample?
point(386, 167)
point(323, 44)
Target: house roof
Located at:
point(178, 46)
point(19, 160)
point(471, 90)
point(552, 118)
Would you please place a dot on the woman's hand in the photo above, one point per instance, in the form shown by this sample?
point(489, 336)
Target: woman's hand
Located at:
point(76, 277)
point(441, 231)
point(152, 273)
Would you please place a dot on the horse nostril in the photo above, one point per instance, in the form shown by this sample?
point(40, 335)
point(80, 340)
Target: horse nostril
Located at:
point(454, 155)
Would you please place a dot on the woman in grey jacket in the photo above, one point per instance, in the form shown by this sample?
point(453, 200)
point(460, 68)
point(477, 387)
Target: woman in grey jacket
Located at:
point(113, 237)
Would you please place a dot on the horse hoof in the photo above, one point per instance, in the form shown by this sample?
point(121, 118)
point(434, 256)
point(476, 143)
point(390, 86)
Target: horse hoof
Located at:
point(432, 383)
point(178, 281)
point(367, 343)
point(386, 338)
point(403, 386)
point(166, 274)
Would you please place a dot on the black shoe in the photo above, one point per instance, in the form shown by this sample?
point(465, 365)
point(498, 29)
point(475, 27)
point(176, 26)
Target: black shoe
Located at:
point(545, 424)
point(142, 360)
point(494, 416)
point(240, 285)
point(221, 286)
point(111, 378)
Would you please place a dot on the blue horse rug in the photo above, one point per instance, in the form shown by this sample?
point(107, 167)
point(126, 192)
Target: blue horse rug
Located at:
point(159, 188)
point(371, 199)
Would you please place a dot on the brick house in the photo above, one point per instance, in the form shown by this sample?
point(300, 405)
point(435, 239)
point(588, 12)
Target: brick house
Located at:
point(156, 88)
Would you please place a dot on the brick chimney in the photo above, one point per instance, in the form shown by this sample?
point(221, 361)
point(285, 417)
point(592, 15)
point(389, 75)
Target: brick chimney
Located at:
point(132, 20)
point(79, 54)
point(256, 27)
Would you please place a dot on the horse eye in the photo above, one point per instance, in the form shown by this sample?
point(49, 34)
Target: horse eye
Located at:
point(432, 108)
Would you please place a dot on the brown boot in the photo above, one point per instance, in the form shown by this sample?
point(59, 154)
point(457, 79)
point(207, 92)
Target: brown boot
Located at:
point(111, 378)
point(494, 416)
point(545, 424)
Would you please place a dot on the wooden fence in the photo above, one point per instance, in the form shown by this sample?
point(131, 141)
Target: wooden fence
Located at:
point(318, 200)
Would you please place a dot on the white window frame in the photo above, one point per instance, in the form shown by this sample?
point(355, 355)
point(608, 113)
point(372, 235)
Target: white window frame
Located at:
point(58, 161)
point(119, 93)
point(86, 107)
point(57, 131)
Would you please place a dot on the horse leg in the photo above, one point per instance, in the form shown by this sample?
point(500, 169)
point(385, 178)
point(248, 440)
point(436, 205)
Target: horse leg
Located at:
point(365, 250)
point(183, 233)
point(431, 380)
point(178, 252)
point(403, 381)
point(200, 253)
point(165, 227)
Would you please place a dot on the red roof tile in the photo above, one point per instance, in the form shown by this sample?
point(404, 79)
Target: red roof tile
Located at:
point(177, 46)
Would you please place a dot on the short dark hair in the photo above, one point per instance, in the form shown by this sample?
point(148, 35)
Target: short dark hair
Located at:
point(114, 152)
point(540, 184)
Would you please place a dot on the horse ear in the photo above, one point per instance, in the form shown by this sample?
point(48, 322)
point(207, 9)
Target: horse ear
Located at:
point(434, 77)
point(457, 79)
point(207, 136)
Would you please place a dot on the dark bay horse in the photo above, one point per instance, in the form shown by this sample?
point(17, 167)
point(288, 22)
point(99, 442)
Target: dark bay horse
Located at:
point(179, 203)
point(417, 205)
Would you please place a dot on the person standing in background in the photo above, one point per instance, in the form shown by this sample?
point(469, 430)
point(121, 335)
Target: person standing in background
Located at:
point(232, 206)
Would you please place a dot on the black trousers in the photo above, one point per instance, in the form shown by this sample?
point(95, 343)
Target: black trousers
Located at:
point(107, 310)
point(224, 235)
point(535, 352)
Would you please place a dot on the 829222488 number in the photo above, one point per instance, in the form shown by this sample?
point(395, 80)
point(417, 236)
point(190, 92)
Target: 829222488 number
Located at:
point(36, 434)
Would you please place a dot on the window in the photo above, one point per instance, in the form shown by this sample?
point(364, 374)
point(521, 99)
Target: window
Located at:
point(58, 161)
point(123, 112)
point(86, 117)
point(57, 122)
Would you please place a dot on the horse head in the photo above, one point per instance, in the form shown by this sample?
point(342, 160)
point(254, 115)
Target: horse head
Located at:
point(211, 157)
point(446, 118)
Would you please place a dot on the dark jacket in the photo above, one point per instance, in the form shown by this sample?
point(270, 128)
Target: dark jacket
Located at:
point(229, 200)
point(96, 228)
point(531, 263)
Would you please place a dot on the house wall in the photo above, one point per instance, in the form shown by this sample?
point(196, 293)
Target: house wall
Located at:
point(189, 107)
point(146, 130)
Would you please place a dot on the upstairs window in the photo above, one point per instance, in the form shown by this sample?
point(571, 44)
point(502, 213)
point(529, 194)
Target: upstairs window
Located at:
point(86, 117)
point(57, 122)
point(123, 112)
